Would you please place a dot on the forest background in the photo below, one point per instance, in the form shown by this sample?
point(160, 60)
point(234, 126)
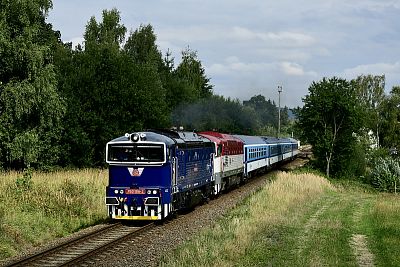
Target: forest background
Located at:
point(60, 105)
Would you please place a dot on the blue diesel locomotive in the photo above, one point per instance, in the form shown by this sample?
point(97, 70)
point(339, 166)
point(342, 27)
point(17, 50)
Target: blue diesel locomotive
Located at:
point(155, 173)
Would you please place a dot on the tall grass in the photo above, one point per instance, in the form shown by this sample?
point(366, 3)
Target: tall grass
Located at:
point(38, 207)
point(229, 241)
point(383, 227)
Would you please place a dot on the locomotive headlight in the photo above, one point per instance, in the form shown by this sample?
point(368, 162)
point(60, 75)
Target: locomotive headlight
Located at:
point(116, 191)
point(121, 191)
point(148, 192)
point(134, 137)
point(154, 192)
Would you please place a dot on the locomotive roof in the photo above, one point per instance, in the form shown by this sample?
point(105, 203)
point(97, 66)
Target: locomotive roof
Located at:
point(150, 136)
point(168, 137)
point(183, 136)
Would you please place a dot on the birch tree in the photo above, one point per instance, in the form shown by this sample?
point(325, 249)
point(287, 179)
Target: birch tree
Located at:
point(329, 120)
point(371, 93)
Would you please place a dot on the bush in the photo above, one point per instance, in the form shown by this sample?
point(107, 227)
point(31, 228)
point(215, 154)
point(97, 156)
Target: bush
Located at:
point(353, 164)
point(24, 183)
point(385, 174)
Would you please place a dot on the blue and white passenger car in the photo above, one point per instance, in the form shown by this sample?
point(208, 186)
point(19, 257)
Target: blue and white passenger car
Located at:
point(256, 154)
point(152, 174)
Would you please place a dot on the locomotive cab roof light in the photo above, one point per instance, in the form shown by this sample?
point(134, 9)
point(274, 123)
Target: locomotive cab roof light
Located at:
point(134, 137)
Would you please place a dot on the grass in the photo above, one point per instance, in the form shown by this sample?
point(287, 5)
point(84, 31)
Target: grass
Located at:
point(39, 207)
point(255, 231)
point(300, 219)
point(382, 223)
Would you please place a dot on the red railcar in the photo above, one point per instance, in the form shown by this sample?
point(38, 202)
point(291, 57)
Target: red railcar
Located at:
point(228, 159)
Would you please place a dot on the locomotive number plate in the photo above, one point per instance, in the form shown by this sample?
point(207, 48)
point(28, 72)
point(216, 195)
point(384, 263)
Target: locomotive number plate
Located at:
point(130, 191)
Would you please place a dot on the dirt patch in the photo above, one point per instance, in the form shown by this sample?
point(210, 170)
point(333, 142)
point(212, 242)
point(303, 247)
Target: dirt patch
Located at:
point(363, 255)
point(292, 165)
point(311, 224)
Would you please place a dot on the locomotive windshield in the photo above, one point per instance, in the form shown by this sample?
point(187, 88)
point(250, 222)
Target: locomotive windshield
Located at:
point(136, 153)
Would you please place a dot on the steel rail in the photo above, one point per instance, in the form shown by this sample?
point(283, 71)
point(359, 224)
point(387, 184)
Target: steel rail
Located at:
point(69, 252)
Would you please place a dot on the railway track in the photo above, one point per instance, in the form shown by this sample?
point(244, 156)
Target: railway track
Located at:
point(77, 250)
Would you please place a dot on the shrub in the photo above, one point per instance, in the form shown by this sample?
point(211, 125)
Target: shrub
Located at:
point(385, 174)
point(24, 183)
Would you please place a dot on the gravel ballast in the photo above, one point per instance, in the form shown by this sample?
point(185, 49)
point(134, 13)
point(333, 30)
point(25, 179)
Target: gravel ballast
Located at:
point(148, 249)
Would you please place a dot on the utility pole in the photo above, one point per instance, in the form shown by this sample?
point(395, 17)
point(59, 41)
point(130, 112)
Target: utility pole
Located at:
point(279, 110)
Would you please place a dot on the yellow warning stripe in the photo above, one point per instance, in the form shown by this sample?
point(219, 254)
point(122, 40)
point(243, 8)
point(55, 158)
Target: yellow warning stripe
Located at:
point(147, 218)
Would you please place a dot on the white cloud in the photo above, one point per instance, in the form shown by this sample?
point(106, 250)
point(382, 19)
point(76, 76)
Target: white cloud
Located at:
point(248, 46)
point(231, 67)
point(390, 70)
point(75, 41)
point(375, 69)
point(285, 38)
point(295, 69)
point(238, 34)
point(190, 34)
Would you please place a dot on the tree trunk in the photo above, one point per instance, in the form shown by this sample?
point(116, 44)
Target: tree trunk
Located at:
point(328, 163)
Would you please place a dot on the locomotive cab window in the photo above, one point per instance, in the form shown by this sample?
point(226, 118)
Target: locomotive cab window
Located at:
point(219, 151)
point(128, 153)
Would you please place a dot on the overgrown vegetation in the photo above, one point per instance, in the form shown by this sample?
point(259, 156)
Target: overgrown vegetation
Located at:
point(300, 220)
point(348, 123)
point(385, 174)
point(252, 232)
point(38, 207)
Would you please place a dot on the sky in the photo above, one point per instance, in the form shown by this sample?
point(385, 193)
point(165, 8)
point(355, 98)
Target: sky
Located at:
point(251, 47)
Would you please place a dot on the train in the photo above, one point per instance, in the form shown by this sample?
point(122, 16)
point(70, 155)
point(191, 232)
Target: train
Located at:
point(153, 174)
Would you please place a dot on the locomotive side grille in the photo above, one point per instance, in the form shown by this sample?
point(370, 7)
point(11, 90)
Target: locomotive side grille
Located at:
point(111, 201)
point(151, 201)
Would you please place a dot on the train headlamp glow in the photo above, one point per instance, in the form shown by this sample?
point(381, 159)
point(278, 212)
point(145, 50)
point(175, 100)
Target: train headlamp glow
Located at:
point(116, 191)
point(148, 192)
point(154, 192)
point(134, 137)
point(121, 191)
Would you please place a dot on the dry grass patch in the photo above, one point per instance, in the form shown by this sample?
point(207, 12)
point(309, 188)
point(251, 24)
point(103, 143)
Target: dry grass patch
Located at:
point(38, 207)
point(253, 225)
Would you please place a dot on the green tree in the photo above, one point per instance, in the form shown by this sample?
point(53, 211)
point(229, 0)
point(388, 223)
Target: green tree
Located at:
point(94, 82)
point(329, 120)
point(112, 86)
point(191, 71)
point(147, 77)
point(370, 92)
point(217, 113)
point(141, 46)
point(267, 110)
point(30, 106)
point(268, 114)
point(391, 119)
